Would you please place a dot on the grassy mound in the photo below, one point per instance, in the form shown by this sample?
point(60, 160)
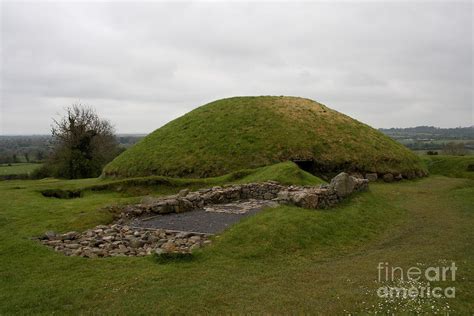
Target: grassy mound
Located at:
point(451, 166)
point(248, 132)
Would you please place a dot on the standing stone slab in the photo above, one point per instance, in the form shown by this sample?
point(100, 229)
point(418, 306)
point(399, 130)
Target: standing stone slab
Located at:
point(343, 184)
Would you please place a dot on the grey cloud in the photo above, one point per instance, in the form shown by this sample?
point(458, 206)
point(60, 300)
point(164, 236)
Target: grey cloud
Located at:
point(142, 64)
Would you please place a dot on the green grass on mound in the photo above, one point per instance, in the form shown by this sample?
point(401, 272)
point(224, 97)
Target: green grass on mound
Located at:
point(249, 132)
point(451, 166)
point(284, 172)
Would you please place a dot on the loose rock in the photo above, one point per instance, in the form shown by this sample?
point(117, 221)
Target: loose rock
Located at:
point(117, 240)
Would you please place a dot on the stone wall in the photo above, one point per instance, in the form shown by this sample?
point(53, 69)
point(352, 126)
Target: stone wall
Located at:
point(309, 197)
point(390, 177)
point(123, 240)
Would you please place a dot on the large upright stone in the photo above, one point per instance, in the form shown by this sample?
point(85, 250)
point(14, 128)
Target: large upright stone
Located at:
point(343, 184)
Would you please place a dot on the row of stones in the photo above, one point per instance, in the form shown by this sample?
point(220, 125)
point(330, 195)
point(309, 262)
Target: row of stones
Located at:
point(117, 240)
point(390, 177)
point(310, 197)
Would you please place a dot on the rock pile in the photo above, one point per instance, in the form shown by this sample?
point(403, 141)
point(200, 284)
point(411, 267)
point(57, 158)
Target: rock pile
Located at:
point(116, 240)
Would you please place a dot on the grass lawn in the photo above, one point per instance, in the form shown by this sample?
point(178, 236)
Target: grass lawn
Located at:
point(18, 168)
point(450, 166)
point(282, 260)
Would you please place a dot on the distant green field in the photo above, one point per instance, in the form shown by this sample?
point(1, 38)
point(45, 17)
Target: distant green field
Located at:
point(18, 168)
point(470, 152)
point(450, 166)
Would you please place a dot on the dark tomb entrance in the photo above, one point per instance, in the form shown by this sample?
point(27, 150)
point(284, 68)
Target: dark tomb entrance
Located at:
point(306, 165)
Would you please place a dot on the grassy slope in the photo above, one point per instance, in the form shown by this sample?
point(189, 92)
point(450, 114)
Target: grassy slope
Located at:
point(248, 132)
point(281, 260)
point(284, 172)
point(18, 169)
point(450, 166)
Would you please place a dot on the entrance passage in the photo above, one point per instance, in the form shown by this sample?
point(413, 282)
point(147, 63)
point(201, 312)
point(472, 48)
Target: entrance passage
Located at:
point(306, 165)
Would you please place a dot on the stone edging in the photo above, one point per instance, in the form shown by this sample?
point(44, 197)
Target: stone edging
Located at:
point(323, 196)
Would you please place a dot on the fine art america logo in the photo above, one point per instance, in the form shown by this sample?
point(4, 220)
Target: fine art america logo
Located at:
point(415, 282)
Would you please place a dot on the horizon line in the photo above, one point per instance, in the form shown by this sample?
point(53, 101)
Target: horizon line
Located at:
point(146, 133)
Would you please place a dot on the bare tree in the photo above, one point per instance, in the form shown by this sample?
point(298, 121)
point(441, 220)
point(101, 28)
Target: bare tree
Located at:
point(83, 144)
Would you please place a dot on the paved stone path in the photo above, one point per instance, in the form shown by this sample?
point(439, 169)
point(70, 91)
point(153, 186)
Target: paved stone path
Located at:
point(210, 220)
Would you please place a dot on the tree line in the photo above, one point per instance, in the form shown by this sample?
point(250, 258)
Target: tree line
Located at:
point(16, 149)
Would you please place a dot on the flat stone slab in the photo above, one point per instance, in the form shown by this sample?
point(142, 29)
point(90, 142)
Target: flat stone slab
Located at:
point(212, 219)
point(240, 207)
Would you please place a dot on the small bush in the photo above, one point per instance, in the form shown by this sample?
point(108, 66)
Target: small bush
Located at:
point(42, 172)
point(470, 167)
point(83, 145)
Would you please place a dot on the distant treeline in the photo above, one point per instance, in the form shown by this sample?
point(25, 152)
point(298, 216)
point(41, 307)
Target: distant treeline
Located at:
point(431, 132)
point(433, 138)
point(36, 148)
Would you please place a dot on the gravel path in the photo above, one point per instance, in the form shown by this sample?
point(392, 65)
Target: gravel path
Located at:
point(211, 220)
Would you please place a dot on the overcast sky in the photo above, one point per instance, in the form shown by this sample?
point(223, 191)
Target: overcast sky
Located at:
point(142, 64)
